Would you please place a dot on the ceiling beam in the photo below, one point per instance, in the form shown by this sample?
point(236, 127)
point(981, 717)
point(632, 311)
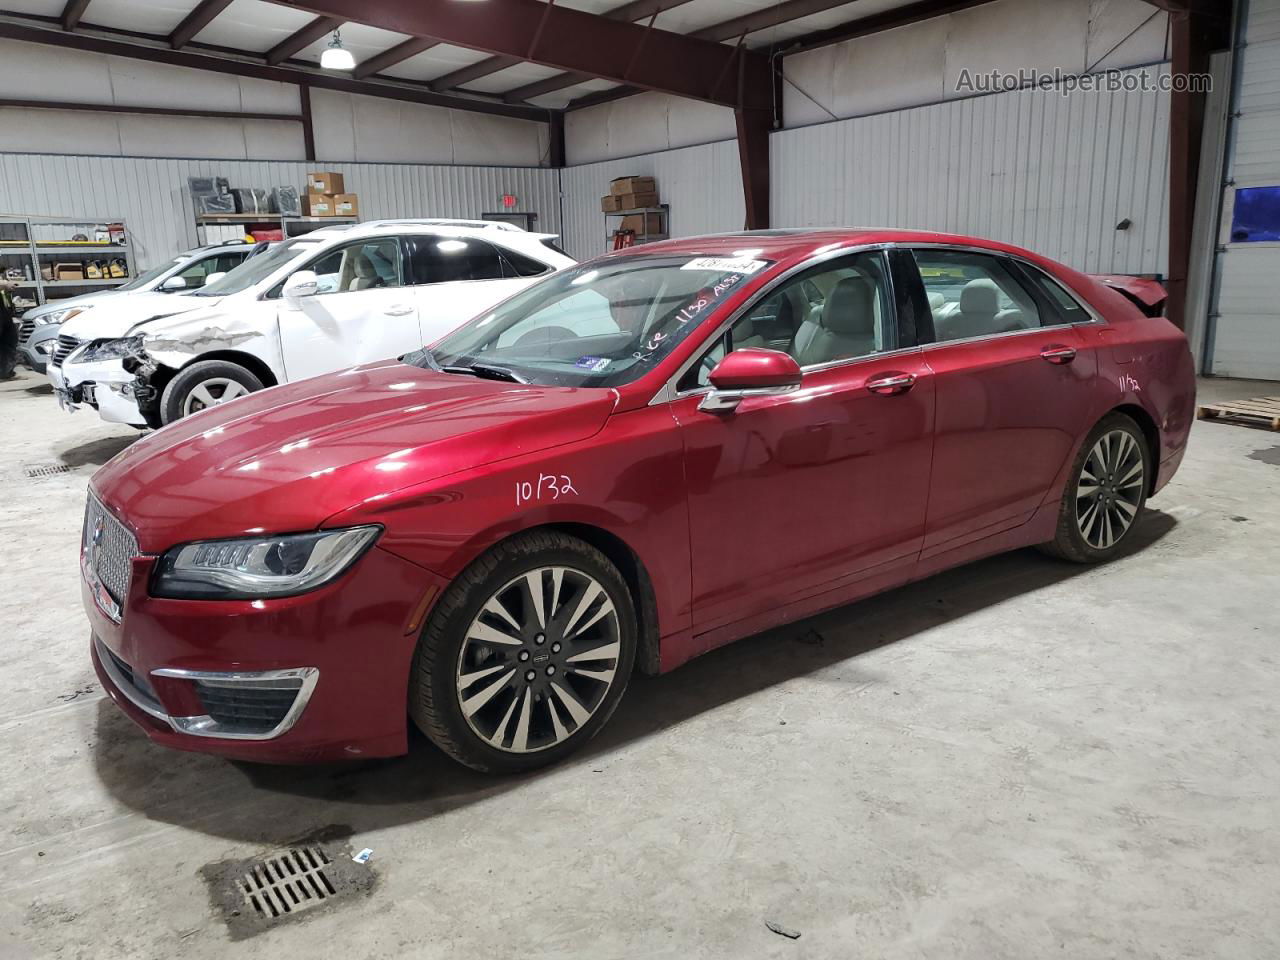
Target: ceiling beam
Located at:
point(195, 21)
point(389, 58)
point(628, 12)
point(304, 38)
point(147, 111)
point(158, 52)
point(864, 26)
point(573, 40)
point(724, 30)
point(72, 13)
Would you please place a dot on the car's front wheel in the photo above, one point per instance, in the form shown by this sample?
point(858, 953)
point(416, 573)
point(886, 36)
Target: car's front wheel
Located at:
point(526, 655)
point(207, 383)
point(1105, 494)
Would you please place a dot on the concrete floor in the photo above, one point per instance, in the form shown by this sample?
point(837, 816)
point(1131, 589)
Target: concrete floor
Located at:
point(1017, 759)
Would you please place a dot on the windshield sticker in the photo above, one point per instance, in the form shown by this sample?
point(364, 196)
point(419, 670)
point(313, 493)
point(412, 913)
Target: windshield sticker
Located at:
point(725, 264)
point(549, 487)
point(594, 364)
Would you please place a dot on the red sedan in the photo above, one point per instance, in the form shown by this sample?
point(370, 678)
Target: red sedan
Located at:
point(622, 467)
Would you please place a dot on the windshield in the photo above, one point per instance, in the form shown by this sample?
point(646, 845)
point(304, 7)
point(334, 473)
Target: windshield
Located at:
point(256, 269)
point(598, 325)
point(142, 279)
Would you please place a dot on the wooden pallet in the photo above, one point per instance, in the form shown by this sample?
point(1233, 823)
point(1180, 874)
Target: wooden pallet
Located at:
point(1258, 412)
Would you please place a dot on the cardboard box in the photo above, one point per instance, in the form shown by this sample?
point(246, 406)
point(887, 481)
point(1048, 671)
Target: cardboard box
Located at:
point(346, 205)
point(634, 201)
point(625, 185)
point(318, 205)
point(636, 222)
point(610, 203)
point(68, 271)
point(326, 183)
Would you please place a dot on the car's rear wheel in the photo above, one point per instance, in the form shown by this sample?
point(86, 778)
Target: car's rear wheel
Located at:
point(526, 655)
point(205, 384)
point(1105, 494)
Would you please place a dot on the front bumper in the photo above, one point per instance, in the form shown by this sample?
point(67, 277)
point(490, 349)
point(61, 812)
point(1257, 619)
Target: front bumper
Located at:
point(307, 679)
point(104, 385)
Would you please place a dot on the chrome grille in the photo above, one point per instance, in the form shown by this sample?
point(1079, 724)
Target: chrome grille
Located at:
point(109, 549)
point(25, 329)
point(63, 349)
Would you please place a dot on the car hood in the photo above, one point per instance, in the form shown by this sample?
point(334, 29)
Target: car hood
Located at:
point(84, 300)
point(116, 316)
point(287, 458)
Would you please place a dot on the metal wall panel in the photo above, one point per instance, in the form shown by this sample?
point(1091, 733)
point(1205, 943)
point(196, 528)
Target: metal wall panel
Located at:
point(702, 185)
point(1052, 173)
point(1246, 322)
point(151, 194)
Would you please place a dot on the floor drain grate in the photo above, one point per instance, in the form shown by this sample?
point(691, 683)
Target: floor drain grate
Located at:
point(287, 882)
point(46, 470)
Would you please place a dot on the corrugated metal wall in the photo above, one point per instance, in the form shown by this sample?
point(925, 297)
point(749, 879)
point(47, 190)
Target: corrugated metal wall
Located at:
point(1054, 174)
point(701, 184)
point(151, 195)
point(1246, 322)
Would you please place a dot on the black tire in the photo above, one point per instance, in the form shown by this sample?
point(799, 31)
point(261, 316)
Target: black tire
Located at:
point(435, 697)
point(213, 375)
point(1080, 538)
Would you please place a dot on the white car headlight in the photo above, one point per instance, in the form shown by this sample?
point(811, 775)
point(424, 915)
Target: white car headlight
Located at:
point(256, 567)
point(60, 316)
point(109, 349)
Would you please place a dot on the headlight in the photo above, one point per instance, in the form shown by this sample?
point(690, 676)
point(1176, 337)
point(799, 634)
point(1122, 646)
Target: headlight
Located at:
point(59, 316)
point(110, 349)
point(258, 567)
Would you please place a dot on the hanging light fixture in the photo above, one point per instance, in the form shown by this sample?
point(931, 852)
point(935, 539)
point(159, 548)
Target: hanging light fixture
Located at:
point(336, 56)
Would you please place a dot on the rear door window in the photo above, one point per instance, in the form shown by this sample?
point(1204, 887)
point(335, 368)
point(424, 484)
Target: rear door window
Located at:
point(440, 259)
point(974, 295)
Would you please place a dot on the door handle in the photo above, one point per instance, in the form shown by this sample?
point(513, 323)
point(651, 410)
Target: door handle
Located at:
point(891, 384)
point(398, 310)
point(1057, 353)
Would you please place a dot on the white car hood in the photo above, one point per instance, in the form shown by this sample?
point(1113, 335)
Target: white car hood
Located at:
point(53, 306)
point(116, 316)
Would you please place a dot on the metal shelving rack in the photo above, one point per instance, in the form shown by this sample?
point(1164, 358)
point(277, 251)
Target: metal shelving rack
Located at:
point(663, 210)
point(28, 244)
point(292, 226)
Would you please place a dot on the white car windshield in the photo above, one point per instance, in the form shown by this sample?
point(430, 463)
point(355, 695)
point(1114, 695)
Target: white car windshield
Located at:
point(256, 269)
point(599, 325)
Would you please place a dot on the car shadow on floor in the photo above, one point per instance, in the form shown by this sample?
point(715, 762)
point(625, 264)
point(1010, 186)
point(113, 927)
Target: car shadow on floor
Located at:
point(97, 452)
point(41, 390)
point(276, 805)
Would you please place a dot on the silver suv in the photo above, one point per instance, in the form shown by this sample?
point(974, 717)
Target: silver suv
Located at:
point(38, 327)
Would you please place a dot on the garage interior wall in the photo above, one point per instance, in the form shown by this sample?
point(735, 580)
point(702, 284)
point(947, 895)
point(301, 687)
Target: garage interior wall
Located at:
point(151, 195)
point(1058, 174)
point(347, 126)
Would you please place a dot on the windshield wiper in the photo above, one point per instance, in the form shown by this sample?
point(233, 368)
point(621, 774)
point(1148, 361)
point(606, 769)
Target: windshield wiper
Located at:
point(487, 372)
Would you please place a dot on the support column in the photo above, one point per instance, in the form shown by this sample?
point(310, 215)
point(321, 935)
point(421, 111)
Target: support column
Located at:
point(753, 156)
point(1195, 33)
point(308, 129)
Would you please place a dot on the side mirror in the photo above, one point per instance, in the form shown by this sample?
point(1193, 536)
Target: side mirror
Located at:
point(750, 372)
point(304, 283)
point(172, 284)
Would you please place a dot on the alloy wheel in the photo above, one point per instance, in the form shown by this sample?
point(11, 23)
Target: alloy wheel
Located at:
point(1109, 490)
point(211, 392)
point(538, 659)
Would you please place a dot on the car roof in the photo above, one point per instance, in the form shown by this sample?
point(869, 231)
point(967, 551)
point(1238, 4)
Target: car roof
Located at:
point(489, 229)
point(800, 242)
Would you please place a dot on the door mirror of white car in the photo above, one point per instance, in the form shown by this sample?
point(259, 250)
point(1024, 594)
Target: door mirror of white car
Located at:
point(172, 284)
point(214, 277)
point(304, 283)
